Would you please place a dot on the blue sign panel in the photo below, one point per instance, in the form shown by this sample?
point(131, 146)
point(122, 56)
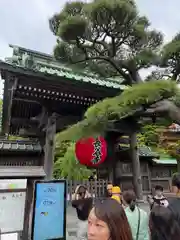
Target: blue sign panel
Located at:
point(49, 211)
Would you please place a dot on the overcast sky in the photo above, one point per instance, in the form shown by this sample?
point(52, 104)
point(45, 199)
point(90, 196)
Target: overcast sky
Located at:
point(25, 23)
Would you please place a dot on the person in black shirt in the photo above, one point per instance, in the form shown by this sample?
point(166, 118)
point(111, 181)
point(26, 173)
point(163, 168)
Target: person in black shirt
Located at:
point(82, 202)
point(163, 225)
point(157, 198)
point(174, 201)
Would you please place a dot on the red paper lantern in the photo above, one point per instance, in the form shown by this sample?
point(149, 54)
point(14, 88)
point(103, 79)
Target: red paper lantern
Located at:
point(91, 151)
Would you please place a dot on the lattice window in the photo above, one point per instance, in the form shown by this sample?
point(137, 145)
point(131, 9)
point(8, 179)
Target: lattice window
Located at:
point(161, 173)
point(126, 168)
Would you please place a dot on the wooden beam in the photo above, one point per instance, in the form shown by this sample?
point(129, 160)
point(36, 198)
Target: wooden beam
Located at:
point(26, 100)
point(30, 133)
point(126, 126)
point(49, 147)
point(23, 121)
point(10, 86)
point(53, 82)
point(21, 172)
point(56, 81)
point(32, 123)
point(40, 94)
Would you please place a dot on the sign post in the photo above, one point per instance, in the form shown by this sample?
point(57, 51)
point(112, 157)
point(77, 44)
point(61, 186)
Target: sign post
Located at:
point(49, 212)
point(12, 205)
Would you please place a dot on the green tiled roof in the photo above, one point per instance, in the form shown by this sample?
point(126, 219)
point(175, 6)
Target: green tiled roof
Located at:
point(18, 146)
point(145, 151)
point(170, 161)
point(69, 74)
point(46, 64)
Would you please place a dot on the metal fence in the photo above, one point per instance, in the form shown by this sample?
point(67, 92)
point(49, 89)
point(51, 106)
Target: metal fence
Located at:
point(96, 188)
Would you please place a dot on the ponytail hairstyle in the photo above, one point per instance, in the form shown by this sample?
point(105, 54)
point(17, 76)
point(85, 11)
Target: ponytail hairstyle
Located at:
point(132, 205)
point(129, 197)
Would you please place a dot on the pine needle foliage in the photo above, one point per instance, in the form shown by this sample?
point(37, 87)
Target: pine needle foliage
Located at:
point(68, 167)
point(98, 117)
point(107, 37)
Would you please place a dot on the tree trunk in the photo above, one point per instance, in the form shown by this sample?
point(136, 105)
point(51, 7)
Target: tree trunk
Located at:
point(136, 77)
point(136, 169)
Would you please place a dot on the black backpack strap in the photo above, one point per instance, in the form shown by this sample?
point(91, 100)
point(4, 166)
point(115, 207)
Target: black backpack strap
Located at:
point(139, 220)
point(176, 215)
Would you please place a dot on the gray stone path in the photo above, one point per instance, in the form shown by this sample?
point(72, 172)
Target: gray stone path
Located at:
point(71, 224)
point(72, 220)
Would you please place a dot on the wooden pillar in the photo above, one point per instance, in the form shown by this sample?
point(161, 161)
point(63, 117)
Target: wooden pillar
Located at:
point(111, 141)
point(9, 87)
point(149, 176)
point(178, 164)
point(137, 181)
point(112, 177)
point(49, 146)
point(28, 210)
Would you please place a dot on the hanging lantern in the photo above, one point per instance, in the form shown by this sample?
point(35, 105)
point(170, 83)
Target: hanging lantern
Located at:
point(91, 151)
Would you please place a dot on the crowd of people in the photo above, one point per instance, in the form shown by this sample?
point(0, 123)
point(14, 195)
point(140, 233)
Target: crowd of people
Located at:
point(117, 216)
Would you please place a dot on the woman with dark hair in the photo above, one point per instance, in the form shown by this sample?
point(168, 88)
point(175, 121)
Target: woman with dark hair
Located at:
point(107, 221)
point(137, 218)
point(108, 190)
point(82, 202)
point(163, 224)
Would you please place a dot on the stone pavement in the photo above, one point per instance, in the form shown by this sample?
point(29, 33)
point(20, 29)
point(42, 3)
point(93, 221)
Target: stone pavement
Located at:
point(71, 220)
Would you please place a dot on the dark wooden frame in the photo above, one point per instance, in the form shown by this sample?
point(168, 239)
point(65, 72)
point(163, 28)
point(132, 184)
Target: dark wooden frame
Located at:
point(34, 202)
point(15, 76)
point(19, 190)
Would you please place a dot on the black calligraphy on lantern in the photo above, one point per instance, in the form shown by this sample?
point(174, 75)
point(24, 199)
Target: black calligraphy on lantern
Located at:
point(97, 154)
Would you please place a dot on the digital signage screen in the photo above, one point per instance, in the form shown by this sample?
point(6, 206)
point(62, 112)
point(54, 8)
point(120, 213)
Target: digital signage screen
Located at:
point(49, 215)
